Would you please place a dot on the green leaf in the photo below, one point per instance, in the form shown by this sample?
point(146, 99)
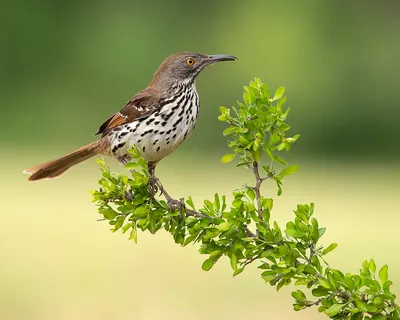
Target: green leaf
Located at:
point(294, 233)
point(372, 266)
point(383, 274)
point(329, 248)
point(140, 212)
point(224, 226)
point(321, 231)
point(190, 203)
point(339, 276)
point(295, 137)
point(208, 264)
point(279, 185)
point(378, 301)
point(233, 261)
point(109, 214)
point(361, 305)
point(223, 110)
point(250, 192)
point(281, 146)
point(278, 93)
point(334, 310)
point(331, 279)
point(379, 316)
point(189, 239)
point(280, 285)
point(289, 170)
point(268, 275)
point(131, 165)
point(254, 216)
point(280, 160)
point(386, 286)
point(217, 202)
point(261, 228)
point(268, 203)
point(256, 153)
point(301, 282)
point(314, 223)
point(228, 158)
point(357, 316)
point(269, 152)
point(238, 271)
point(265, 91)
point(280, 103)
point(299, 295)
point(323, 282)
point(320, 292)
point(248, 97)
point(133, 235)
point(309, 269)
point(222, 118)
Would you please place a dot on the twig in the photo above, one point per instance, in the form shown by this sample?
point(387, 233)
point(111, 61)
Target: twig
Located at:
point(312, 252)
point(314, 303)
point(181, 206)
point(250, 261)
point(256, 189)
point(178, 204)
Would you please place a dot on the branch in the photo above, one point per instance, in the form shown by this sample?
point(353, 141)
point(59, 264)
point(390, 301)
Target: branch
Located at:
point(250, 260)
point(180, 205)
point(256, 189)
point(285, 255)
point(314, 303)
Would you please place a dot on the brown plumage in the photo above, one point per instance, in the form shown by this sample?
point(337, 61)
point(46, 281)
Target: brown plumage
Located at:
point(54, 168)
point(156, 120)
point(140, 106)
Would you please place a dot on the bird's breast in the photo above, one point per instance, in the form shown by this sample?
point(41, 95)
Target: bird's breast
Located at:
point(161, 132)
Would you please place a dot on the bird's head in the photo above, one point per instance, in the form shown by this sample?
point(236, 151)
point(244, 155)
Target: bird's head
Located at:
point(185, 66)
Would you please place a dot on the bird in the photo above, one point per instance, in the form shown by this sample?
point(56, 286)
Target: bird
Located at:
point(155, 121)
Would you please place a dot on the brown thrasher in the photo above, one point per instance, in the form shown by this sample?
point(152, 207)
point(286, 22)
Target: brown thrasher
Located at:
point(156, 120)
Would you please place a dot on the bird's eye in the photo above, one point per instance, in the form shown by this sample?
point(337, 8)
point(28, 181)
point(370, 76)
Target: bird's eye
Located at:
point(190, 61)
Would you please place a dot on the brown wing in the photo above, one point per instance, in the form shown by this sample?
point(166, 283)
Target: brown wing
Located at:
point(140, 106)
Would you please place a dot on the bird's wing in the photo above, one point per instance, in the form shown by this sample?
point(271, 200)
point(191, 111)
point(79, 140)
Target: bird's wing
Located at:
point(140, 106)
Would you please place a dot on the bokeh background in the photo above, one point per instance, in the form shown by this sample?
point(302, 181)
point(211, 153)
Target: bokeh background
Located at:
point(66, 66)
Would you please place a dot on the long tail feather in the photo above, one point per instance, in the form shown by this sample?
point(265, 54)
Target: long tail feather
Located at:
point(56, 167)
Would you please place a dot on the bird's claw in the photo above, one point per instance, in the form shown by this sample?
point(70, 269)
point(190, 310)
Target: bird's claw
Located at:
point(176, 205)
point(153, 186)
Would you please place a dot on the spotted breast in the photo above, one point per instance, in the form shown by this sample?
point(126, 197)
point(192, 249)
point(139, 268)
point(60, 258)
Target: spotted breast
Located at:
point(162, 131)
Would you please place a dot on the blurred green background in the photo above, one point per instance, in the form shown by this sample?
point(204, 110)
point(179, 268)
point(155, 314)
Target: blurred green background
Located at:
point(65, 67)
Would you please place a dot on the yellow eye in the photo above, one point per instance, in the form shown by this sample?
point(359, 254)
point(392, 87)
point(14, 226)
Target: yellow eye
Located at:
point(190, 61)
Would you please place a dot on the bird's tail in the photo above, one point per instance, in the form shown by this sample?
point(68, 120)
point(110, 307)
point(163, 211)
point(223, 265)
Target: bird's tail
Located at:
point(56, 167)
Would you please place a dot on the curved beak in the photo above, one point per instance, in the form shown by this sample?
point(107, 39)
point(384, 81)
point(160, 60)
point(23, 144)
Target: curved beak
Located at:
point(220, 58)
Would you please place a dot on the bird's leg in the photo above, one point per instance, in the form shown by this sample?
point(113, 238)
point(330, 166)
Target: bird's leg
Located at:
point(156, 186)
point(124, 161)
point(173, 204)
point(153, 181)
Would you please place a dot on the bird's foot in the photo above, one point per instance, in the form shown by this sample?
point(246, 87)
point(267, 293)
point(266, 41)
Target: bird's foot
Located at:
point(153, 186)
point(176, 205)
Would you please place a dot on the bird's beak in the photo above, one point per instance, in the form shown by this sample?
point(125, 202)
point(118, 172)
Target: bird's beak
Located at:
point(220, 58)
